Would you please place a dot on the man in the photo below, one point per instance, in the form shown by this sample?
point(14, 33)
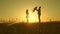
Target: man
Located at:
point(39, 12)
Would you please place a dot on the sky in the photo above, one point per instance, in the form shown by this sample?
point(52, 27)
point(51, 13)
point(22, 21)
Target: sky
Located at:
point(50, 9)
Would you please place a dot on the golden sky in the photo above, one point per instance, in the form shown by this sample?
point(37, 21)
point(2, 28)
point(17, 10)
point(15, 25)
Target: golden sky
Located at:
point(17, 9)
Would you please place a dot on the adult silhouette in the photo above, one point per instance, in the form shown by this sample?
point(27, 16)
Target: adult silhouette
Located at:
point(39, 12)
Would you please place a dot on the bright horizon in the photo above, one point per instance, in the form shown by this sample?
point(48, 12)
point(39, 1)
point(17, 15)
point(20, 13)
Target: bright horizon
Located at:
point(50, 9)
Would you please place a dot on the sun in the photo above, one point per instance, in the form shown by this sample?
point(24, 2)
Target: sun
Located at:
point(31, 18)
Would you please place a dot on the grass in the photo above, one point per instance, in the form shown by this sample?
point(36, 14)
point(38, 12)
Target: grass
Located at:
point(30, 28)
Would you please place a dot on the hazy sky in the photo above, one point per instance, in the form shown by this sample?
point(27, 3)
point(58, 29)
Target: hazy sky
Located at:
point(17, 9)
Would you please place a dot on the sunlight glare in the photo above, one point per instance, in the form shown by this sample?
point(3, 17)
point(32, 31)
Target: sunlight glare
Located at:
point(31, 18)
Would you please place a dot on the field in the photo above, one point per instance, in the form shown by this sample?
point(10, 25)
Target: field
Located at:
point(30, 28)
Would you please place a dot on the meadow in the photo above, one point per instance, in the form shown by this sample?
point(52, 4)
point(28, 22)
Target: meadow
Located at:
point(30, 28)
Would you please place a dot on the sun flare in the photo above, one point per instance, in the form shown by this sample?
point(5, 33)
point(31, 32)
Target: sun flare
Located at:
point(31, 18)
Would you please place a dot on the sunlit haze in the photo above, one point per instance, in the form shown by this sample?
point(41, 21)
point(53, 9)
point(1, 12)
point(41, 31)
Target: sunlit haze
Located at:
point(50, 9)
